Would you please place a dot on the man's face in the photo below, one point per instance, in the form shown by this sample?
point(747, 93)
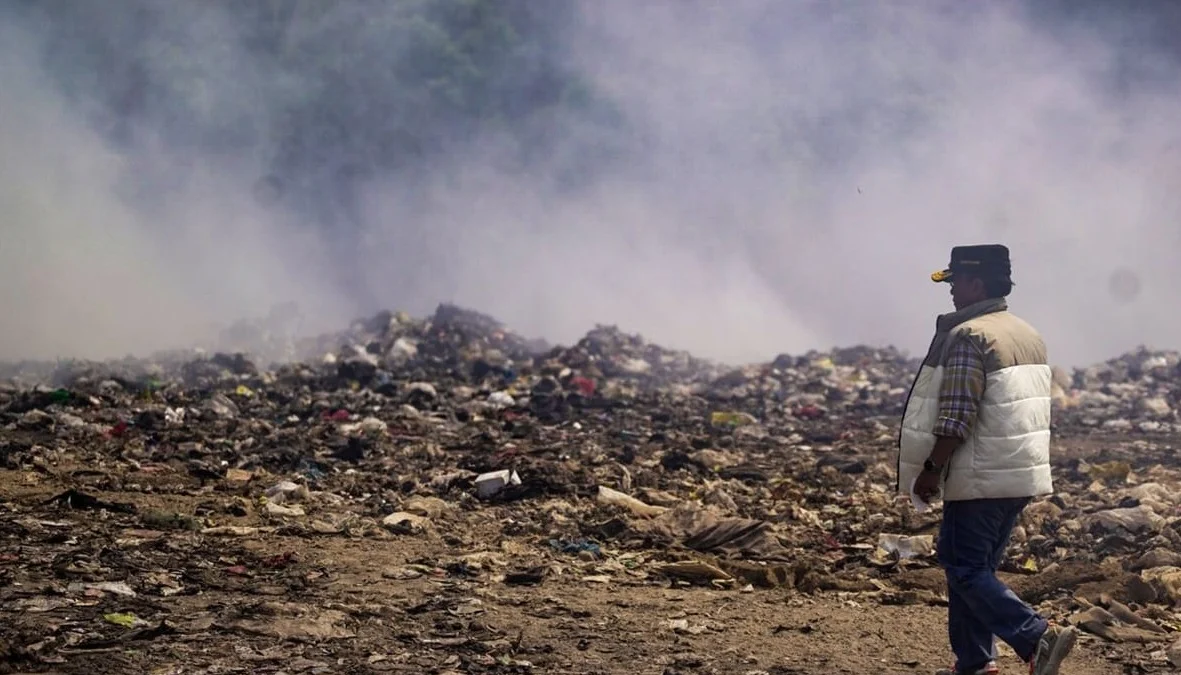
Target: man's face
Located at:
point(966, 290)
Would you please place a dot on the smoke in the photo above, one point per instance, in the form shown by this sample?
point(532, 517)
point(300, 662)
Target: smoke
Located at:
point(105, 252)
point(791, 173)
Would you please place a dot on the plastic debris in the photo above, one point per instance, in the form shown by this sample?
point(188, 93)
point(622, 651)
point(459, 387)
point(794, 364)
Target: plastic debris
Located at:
point(451, 482)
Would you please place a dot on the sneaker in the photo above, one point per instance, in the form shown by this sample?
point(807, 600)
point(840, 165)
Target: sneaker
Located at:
point(989, 668)
point(1052, 649)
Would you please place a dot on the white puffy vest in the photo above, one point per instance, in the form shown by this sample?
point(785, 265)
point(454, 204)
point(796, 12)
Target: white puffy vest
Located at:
point(1007, 453)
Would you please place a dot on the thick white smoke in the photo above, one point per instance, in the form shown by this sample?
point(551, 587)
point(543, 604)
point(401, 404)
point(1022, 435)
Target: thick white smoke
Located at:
point(793, 173)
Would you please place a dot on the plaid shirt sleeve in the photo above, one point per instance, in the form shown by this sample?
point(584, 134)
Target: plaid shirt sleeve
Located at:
point(961, 390)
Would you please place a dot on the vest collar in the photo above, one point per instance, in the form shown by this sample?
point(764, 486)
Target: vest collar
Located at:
point(946, 322)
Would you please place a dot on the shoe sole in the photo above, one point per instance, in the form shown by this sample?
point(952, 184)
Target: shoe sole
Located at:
point(1062, 648)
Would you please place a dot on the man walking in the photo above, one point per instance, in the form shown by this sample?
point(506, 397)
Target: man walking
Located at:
point(977, 427)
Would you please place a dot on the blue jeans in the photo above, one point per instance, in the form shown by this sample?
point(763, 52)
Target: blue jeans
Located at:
point(972, 542)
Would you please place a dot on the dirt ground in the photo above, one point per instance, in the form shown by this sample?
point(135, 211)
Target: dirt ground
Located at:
point(269, 602)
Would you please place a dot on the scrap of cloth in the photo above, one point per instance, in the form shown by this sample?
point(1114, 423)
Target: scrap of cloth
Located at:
point(707, 532)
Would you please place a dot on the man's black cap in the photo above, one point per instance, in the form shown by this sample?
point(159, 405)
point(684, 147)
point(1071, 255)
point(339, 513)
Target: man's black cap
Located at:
point(984, 261)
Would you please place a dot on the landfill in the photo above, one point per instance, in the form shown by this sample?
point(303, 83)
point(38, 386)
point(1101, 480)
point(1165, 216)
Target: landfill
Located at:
point(442, 495)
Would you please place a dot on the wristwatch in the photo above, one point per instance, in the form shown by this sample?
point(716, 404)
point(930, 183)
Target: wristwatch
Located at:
point(931, 467)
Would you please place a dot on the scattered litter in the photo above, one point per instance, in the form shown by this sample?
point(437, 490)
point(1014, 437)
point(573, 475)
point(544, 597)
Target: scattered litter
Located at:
point(125, 620)
point(432, 481)
point(489, 484)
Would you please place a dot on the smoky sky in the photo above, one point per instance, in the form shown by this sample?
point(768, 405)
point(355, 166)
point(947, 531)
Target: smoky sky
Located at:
point(766, 177)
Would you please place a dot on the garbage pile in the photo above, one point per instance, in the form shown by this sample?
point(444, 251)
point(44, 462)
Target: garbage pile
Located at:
point(1139, 391)
point(137, 489)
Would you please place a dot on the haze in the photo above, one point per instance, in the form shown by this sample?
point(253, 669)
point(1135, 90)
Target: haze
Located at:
point(784, 176)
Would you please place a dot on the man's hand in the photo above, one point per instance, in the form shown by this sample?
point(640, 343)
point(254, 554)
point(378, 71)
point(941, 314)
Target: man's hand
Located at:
point(926, 486)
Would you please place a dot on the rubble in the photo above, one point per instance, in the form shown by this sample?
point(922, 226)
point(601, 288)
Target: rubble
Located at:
point(197, 494)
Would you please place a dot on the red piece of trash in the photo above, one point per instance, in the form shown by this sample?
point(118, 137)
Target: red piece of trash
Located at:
point(585, 386)
point(337, 415)
point(117, 430)
point(281, 560)
point(238, 570)
point(808, 412)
